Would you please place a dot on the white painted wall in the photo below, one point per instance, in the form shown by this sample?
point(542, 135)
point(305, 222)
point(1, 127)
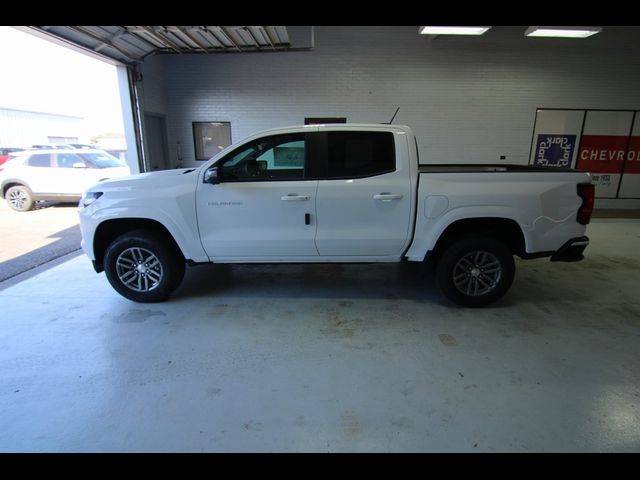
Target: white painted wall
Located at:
point(469, 99)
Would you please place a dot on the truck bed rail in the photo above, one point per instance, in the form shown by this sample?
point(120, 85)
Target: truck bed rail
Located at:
point(467, 167)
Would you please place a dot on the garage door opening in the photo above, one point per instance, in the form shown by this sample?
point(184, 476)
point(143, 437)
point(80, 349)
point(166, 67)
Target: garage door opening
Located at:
point(65, 121)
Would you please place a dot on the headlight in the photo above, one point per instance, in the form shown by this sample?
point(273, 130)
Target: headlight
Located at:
point(89, 197)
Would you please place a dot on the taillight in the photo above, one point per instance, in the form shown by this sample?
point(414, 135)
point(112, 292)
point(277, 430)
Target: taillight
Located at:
point(587, 192)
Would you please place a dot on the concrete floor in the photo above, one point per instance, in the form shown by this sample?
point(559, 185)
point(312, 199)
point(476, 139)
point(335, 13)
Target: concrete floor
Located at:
point(327, 358)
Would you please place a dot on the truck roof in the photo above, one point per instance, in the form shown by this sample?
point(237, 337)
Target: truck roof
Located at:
point(337, 126)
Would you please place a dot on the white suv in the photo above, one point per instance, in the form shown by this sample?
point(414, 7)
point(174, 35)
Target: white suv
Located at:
point(55, 175)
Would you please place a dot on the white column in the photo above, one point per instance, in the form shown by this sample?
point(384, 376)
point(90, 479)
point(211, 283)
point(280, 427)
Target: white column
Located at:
point(128, 119)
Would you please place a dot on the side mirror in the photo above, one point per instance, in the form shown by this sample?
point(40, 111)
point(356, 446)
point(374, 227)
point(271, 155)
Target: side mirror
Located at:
point(212, 175)
point(79, 165)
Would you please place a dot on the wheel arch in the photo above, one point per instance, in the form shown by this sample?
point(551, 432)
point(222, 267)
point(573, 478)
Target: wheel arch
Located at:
point(109, 230)
point(12, 182)
point(505, 230)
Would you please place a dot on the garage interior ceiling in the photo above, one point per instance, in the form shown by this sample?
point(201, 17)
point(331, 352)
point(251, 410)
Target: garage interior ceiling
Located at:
point(130, 44)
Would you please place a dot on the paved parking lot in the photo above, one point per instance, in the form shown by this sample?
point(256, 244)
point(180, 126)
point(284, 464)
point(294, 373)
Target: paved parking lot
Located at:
point(31, 239)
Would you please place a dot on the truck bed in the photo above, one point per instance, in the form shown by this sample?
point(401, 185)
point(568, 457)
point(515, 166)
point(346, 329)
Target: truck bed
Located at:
point(542, 201)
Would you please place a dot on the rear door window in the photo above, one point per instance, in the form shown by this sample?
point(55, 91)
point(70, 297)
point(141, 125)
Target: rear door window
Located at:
point(39, 160)
point(360, 154)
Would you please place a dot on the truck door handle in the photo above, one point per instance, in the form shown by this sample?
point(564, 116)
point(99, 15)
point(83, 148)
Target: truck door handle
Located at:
point(292, 197)
point(387, 197)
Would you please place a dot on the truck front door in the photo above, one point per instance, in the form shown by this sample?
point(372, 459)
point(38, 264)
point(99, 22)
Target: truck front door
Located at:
point(264, 206)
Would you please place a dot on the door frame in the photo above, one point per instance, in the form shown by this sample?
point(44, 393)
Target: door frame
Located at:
point(165, 146)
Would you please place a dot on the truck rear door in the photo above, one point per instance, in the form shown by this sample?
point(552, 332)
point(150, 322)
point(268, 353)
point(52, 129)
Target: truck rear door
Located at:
point(363, 203)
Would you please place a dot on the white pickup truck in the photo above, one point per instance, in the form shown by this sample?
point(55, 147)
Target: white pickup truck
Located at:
point(334, 193)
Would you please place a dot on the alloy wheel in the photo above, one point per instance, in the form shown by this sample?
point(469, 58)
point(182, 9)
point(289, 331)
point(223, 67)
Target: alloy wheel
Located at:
point(139, 269)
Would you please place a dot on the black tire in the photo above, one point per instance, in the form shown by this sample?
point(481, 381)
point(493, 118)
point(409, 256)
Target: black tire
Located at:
point(19, 198)
point(138, 281)
point(475, 271)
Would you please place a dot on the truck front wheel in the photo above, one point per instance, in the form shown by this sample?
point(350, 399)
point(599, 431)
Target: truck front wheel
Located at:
point(475, 271)
point(142, 267)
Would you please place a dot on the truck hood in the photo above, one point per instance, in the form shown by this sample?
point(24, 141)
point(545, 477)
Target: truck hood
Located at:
point(148, 180)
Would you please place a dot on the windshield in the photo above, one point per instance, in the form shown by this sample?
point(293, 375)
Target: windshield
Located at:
point(102, 160)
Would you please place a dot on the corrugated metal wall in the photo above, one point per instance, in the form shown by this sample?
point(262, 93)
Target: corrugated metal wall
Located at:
point(21, 128)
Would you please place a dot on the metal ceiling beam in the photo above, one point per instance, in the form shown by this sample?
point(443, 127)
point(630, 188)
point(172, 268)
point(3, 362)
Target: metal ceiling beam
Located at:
point(144, 35)
point(131, 44)
point(217, 35)
point(126, 38)
point(248, 30)
point(170, 37)
point(102, 42)
point(265, 34)
point(138, 37)
point(179, 33)
point(279, 40)
point(194, 39)
point(228, 36)
point(161, 39)
point(211, 38)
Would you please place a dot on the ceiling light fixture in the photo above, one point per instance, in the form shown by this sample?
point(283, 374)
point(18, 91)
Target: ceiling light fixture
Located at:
point(567, 32)
point(452, 30)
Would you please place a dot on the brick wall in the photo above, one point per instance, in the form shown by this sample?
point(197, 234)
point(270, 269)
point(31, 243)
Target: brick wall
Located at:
point(468, 99)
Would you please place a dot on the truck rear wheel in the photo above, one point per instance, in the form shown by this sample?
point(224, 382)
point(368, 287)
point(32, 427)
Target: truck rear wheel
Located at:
point(142, 267)
point(475, 271)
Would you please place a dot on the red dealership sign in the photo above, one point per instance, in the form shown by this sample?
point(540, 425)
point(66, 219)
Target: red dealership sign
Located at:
point(633, 156)
point(607, 154)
